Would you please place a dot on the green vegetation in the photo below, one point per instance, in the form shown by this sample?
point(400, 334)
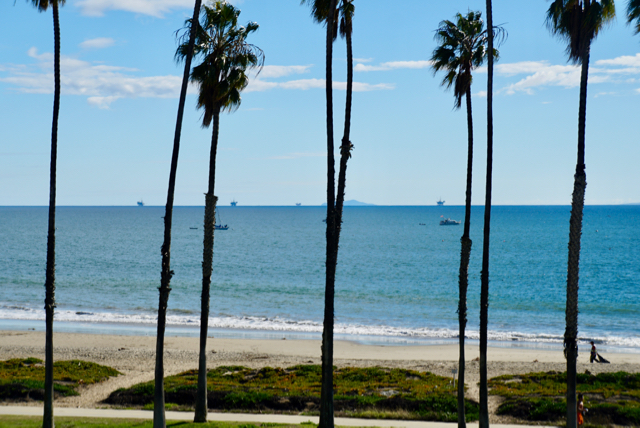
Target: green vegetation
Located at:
point(612, 398)
point(67, 422)
point(23, 379)
point(373, 392)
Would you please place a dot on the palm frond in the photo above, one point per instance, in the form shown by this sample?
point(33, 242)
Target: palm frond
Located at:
point(43, 5)
point(633, 13)
point(578, 23)
point(226, 58)
point(342, 15)
point(462, 47)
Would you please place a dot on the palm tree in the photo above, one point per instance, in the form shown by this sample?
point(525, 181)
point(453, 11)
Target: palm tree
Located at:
point(462, 47)
point(633, 13)
point(578, 22)
point(50, 276)
point(330, 12)
point(484, 275)
point(221, 76)
point(167, 273)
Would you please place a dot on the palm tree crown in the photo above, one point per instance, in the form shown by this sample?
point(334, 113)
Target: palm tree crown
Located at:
point(43, 5)
point(633, 13)
point(343, 15)
point(462, 47)
point(227, 57)
point(579, 22)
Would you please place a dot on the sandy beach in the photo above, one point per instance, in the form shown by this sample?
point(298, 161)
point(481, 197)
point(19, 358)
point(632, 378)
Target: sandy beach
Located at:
point(134, 357)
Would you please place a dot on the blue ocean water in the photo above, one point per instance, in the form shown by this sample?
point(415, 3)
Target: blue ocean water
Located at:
point(397, 279)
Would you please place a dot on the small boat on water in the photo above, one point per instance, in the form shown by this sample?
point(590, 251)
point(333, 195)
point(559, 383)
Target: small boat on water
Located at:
point(220, 226)
point(298, 204)
point(141, 203)
point(449, 222)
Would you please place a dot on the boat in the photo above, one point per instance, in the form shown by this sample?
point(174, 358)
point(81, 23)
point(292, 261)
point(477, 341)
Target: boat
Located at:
point(449, 222)
point(141, 203)
point(440, 202)
point(298, 204)
point(220, 226)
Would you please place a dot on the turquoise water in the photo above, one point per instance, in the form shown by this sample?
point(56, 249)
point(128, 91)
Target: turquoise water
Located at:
point(396, 282)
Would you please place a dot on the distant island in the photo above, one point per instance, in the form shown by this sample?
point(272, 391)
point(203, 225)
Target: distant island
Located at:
point(353, 203)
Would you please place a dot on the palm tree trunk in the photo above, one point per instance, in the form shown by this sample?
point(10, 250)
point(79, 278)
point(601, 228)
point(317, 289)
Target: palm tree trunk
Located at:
point(484, 275)
point(166, 273)
point(50, 279)
point(326, 390)
point(573, 265)
point(346, 147)
point(465, 255)
point(207, 268)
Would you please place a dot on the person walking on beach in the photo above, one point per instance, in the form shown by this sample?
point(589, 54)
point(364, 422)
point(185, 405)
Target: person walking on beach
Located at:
point(581, 410)
point(594, 353)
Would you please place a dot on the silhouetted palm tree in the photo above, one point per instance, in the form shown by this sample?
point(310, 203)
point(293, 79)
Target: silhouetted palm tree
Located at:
point(221, 76)
point(484, 275)
point(332, 12)
point(462, 47)
point(50, 276)
point(633, 13)
point(578, 22)
point(167, 273)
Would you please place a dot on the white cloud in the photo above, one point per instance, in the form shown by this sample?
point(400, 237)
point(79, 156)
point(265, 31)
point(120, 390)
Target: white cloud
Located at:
point(523, 67)
point(299, 155)
point(363, 59)
point(393, 65)
point(365, 87)
point(629, 61)
point(273, 71)
point(302, 84)
point(157, 8)
point(306, 84)
point(99, 43)
point(104, 84)
point(101, 84)
point(602, 94)
point(541, 73)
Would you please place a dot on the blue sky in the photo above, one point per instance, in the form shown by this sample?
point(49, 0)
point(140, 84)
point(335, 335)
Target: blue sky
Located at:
point(120, 89)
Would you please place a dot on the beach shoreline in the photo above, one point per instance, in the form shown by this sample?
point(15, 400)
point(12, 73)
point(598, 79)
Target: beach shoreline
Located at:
point(134, 357)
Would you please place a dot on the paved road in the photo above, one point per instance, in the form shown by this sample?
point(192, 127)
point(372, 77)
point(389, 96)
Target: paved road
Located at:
point(230, 417)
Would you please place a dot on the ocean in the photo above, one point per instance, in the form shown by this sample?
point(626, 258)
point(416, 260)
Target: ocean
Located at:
point(396, 284)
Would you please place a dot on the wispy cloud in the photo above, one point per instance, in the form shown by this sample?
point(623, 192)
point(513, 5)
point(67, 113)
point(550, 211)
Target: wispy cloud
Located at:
point(539, 74)
point(299, 155)
point(102, 84)
point(272, 72)
point(603, 94)
point(393, 65)
point(157, 8)
point(627, 61)
point(99, 43)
